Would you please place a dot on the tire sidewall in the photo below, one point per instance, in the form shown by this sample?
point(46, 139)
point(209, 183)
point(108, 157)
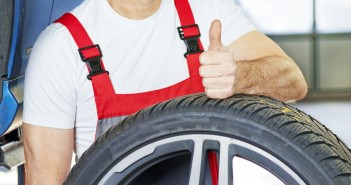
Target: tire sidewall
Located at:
point(120, 141)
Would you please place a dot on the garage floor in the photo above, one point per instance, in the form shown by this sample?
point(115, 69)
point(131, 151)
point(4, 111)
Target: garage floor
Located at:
point(336, 115)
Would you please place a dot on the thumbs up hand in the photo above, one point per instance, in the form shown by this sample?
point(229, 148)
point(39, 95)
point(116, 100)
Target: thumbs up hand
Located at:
point(218, 67)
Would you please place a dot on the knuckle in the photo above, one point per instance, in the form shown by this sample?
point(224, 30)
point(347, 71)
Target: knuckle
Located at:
point(202, 71)
point(226, 93)
point(208, 93)
point(211, 93)
point(228, 71)
point(228, 68)
point(231, 67)
point(202, 57)
point(226, 55)
point(205, 82)
point(231, 80)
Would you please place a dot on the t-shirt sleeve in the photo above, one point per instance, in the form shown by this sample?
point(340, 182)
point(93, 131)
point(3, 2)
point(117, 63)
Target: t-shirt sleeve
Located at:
point(49, 90)
point(234, 22)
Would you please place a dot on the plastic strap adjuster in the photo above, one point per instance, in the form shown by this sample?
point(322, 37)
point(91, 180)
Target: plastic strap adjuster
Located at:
point(192, 41)
point(92, 55)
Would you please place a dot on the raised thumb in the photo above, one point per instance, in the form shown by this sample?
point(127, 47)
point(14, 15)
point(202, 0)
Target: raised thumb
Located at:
point(215, 35)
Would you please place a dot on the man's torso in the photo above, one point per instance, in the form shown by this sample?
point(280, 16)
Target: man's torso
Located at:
point(141, 55)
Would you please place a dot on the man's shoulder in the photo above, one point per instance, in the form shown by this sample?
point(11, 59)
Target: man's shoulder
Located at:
point(54, 34)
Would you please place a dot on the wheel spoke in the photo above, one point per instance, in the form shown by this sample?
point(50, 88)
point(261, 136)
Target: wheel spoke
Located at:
point(197, 164)
point(224, 165)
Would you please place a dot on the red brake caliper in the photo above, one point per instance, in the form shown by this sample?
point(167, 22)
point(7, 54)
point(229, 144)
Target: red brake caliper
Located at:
point(212, 159)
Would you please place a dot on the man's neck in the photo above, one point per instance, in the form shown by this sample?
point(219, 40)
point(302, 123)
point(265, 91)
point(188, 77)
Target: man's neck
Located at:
point(135, 9)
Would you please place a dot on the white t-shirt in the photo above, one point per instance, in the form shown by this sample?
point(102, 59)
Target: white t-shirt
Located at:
point(141, 55)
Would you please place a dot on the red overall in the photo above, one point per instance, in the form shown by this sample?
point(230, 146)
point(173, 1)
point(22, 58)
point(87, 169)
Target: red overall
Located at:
point(112, 107)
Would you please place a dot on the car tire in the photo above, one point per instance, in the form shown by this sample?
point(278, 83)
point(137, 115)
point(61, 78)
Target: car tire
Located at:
point(284, 140)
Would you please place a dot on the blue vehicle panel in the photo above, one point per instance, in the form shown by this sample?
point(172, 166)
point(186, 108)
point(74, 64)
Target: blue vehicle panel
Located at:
point(61, 7)
point(9, 104)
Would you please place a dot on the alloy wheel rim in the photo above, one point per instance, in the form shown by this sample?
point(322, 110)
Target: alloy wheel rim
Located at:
point(198, 145)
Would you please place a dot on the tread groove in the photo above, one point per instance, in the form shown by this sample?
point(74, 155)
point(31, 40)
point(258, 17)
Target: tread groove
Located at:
point(332, 158)
point(317, 143)
point(234, 103)
point(342, 175)
point(246, 106)
point(180, 102)
point(274, 116)
point(286, 124)
point(259, 110)
point(302, 134)
point(194, 100)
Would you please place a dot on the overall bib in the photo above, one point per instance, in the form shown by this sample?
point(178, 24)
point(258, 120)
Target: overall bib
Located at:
point(112, 108)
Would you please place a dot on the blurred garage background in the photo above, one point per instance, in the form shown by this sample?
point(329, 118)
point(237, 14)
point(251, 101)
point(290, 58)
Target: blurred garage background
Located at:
point(317, 35)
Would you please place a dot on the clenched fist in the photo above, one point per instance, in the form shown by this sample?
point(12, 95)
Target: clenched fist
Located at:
point(218, 68)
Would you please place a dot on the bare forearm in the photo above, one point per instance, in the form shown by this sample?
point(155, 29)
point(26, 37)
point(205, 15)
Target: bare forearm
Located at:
point(48, 154)
point(252, 64)
point(39, 172)
point(274, 76)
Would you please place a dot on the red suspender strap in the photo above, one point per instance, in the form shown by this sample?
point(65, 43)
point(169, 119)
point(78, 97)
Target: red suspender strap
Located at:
point(190, 33)
point(184, 12)
point(187, 21)
point(110, 104)
point(76, 29)
point(90, 53)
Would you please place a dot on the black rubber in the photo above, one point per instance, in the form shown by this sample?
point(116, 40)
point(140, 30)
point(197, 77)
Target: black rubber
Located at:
point(309, 148)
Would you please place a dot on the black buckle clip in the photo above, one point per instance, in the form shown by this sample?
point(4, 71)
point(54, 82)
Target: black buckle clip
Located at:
point(191, 43)
point(93, 63)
